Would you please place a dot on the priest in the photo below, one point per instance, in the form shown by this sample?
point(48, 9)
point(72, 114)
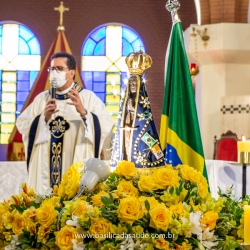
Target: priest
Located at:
point(60, 131)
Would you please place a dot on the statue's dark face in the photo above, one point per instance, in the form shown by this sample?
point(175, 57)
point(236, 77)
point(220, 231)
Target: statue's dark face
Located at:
point(132, 84)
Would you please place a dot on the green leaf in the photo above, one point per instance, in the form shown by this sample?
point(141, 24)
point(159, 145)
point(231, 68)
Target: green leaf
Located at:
point(111, 197)
point(129, 227)
point(24, 239)
point(177, 191)
point(38, 245)
point(33, 204)
point(147, 205)
point(19, 209)
point(58, 209)
point(185, 205)
point(26, 232)
point(61, 201)
point(171, 190)
point(106, 200)
point(191, 210)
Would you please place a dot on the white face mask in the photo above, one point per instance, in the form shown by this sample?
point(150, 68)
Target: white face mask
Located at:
point(60, 78)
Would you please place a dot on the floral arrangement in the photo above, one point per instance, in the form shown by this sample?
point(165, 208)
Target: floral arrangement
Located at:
point(170, 209)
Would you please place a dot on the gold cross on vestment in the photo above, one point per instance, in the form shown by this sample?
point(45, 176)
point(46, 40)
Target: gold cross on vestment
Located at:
point(61, 9)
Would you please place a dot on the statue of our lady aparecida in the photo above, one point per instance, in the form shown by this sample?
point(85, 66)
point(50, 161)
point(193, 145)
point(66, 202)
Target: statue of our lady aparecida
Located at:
point(136, 137)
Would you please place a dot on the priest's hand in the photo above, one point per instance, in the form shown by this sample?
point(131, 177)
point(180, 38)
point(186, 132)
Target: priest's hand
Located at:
point(50, 109)
point(76, 101)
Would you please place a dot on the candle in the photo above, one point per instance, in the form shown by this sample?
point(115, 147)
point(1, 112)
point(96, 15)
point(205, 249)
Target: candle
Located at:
point(247, 225)
point(243, 146)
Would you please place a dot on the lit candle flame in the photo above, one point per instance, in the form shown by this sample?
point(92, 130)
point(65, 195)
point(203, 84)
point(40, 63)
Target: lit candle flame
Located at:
point(243, 138)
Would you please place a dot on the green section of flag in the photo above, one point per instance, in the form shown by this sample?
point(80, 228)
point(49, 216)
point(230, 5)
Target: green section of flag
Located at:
point(179, 102)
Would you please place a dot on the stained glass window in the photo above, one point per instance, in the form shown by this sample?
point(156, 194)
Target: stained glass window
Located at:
point(20, 63)
point(103, 62)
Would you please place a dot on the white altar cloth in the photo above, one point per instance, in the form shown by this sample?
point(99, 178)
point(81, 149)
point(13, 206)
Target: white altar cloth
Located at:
point(12, 174)
point(220, 173)
point(224, 174)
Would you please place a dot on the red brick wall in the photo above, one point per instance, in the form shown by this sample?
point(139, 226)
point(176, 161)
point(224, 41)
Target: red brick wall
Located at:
point(229, 11)
point(148, 17)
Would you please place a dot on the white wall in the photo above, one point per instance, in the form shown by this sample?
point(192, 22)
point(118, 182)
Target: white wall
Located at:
point(224, 71)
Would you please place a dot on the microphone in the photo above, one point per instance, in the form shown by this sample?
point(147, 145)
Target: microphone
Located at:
point(53, 90)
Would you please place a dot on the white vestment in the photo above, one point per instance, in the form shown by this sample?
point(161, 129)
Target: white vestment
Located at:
point(78, 137)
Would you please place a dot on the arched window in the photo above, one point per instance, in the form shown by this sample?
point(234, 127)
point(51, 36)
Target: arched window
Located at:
point(103, 62)
point(20, 63)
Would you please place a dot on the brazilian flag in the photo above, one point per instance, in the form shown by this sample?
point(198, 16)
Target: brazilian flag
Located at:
point(180, 133)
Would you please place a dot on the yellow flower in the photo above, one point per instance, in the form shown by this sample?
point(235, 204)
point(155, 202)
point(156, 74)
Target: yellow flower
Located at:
point(43, 234)
point(16, 200)
point(55, 190)
point(18, 224)
point(70, 180)
point(209, 219)
point(31, 192)
point(174, 198)
point(161, 243)
point(31, 226)
point(146, 184)
point(126, 188)
point(101, 186)
point(185, 246)
point(26, 199)
point(100, 228)
point(84, 217)
point(175, 226)
point(240, 231)
point(152, 202)
point(129, 209)
point(177, 209)
point(191, 174)
point(126, 169)
point(30, 213)
point(165, 177)
point(160, 217)
point(149, 247)
point(82, 207)
point(8, 219)
point(56, 201)
point(96, 199)
point(202, 190)
point(46, 214)
point(72, 186)
point(137, 230)
point(65, 236)
point(61, 189)
point(8, 236)
point(24, 186)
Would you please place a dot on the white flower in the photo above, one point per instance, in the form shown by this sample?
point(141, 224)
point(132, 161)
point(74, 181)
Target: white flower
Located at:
point(208, 239)
point(14, 244)
point(40, 197)
point(127, 244)
point(74, 221)
point(194, 221)
point(78, 246)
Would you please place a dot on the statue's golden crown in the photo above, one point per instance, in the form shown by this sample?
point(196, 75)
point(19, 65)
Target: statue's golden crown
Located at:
point(138, 62)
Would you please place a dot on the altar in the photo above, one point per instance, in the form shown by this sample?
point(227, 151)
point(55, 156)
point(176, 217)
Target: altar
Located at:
point(221, 174)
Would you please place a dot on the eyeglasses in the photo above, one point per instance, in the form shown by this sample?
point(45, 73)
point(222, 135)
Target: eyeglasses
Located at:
point(57, 68)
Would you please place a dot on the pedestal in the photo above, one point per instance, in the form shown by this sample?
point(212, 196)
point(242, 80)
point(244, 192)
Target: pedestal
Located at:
point(244, 177)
